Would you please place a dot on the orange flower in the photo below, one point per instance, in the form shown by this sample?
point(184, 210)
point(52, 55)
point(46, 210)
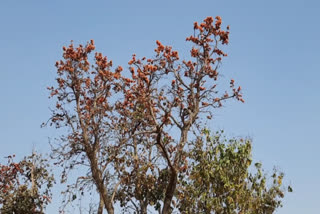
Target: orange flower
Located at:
point(116, 75)
point(88, 81)
point(160, 46)
point(194, 52)
point(195, 25)
point(175, 54)
point(216, 99)
point(218, 18)
point(120, 68)
point(205, 104)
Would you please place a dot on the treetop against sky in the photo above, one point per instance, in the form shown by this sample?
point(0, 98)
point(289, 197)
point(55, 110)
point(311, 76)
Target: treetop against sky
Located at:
point(275, 63)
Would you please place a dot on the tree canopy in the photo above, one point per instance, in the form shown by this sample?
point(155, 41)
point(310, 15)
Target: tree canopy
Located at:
point(139, 134)
point(25, 186)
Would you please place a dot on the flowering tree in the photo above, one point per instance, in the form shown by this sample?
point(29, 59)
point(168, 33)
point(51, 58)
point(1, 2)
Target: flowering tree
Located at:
point(83, 107)
point(135, 131)
point(25, 186)
point(178, 106)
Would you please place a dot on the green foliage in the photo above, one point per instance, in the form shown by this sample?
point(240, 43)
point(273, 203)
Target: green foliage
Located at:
point(20, 201)
point(222, 181)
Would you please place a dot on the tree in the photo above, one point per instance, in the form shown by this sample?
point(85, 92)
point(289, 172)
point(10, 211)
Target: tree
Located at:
point(132, 131)
point(178, 106)
point(220, 180)
point(25, 186)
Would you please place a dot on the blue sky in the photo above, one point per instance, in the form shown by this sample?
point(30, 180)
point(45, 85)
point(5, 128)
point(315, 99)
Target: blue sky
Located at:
point(273, 54)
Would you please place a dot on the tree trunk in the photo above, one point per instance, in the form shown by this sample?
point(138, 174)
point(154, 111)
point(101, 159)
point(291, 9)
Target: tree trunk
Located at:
point(143, 206)
point(97, 177)
point(169, 192)
point(101, 205)
point(173, 172)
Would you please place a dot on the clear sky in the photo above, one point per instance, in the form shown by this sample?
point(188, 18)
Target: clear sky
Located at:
point(273, 53)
